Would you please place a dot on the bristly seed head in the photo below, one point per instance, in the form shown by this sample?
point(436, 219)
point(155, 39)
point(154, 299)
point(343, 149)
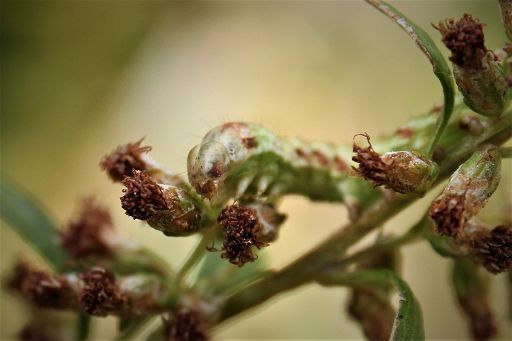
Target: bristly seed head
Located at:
point(143, 197)
point(101, 294)
point(465, 39)
point(371, 166)
point(47, 291)
point(448, 214)
point(124, 160)
point(494, 249)
point(85, 236)
point(242, 231)
point(185, 325)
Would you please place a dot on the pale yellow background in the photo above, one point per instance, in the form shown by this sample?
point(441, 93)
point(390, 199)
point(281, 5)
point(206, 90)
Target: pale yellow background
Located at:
point(80, 78)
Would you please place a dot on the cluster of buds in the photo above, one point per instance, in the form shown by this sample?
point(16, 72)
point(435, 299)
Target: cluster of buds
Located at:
point(96, 291)
point(152, 194)
point(401, 171)
point(477, 72)
point(246, 227)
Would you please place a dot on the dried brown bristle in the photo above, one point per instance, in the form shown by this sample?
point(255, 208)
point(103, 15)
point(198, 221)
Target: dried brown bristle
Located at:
point(494, 249)
point(241, 228)
point(100, 294)
point(371, 166)
point(124, 160)
point(47, 291)
point(448, 214)
point(185, 325)
point(143, 197)
point(465, 39)
point(83, 237)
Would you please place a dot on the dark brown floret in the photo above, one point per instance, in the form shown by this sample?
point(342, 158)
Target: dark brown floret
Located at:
point(185, 325)
point(371, 166)
point(465, 39)
point(101, 294)
point(448, 213)
point(84, 236)
point(494, 249)
point(124, 160)
point(241, 228)
point(47, 291)
point(143, 197)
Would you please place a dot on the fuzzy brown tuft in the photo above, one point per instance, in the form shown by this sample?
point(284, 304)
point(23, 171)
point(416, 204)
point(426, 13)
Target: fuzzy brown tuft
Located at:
point(371, 166)
point(84, 236)
point(101, 294)
point(124, 160)
point(465, 39)
point(494, 249)
point(241, 228)
point(448, 214)
point(143, 197)
point(185, 325)
point(47, 291)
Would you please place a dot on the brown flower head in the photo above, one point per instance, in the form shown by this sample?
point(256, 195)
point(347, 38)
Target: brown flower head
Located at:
point(185, 325)
point(448, 214)
point(242, 231)
point(494, 249)
point(101, 295)
point(85, 236)
point(143, 197)
point(124, 160)
point(465, 39)
point(371, 166)
point(47, 291)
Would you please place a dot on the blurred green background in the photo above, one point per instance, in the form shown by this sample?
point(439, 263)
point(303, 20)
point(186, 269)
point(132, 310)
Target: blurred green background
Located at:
point(80, 78)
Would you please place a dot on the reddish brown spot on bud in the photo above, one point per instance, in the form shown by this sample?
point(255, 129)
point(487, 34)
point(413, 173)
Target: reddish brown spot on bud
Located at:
point(341, 165)
point(465, 39)
point(448, 214)
point(471, 124)
point(47, 291)
point(371, 166)
point(250, 142)
point(405, 132)
point(242, 229)
point(84, 236)
point(124, 160)
point(185, 325)
point(324, 160)
point(216, 170)
point(101, 295)
point(494, 249)
point(301, 154)
point(143, 197)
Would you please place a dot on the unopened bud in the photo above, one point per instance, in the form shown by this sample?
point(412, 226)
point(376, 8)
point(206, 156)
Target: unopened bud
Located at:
point(467, 192)
point(246, 227)
point(166, 208)
point(477, 73)
point(472, 289)
point(402, 171)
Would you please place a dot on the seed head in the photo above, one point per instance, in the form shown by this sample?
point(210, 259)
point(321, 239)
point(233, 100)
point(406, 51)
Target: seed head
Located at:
point(124, 160)
point(47, 291)
point(494, 249)
point(185, 325)
point(143, 197)
point(101, 294)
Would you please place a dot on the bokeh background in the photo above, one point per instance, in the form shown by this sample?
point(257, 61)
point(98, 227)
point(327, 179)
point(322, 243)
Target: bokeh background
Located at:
point(80, 78)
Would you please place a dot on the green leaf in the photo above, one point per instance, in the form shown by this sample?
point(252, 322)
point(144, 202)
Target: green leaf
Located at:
point(408, 323)
point(440, 67)
point(25, 216)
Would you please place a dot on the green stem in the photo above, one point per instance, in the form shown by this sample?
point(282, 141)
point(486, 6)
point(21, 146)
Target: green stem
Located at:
point(196, 255)
point(83, 325)
point(131, 330)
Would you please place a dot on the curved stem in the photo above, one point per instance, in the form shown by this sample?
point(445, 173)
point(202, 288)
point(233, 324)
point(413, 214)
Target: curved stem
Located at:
point(195, 256)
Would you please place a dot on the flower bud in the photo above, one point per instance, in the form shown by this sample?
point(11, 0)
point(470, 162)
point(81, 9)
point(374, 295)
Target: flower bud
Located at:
point(402, 171)
point(245, 227)
point(166, 208)
point(467, 192)
point(476, 71)
point(472, 289)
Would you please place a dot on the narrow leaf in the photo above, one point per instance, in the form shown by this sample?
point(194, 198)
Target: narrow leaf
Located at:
point(25, 216)
point(408, 323)
point(440, 67)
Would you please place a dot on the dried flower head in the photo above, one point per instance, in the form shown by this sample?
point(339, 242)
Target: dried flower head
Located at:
point(185, 325)
point(165, 207)
point(465, 39)
point(124, 160)
point(47, 291)
point(86, 235)
point(448, 214)
point(101, 295)
point(242, 231)
point(494, 248)
point(401, 171)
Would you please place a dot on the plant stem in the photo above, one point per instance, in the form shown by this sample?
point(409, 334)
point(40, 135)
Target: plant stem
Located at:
point(304, 269)
point(196, 255)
